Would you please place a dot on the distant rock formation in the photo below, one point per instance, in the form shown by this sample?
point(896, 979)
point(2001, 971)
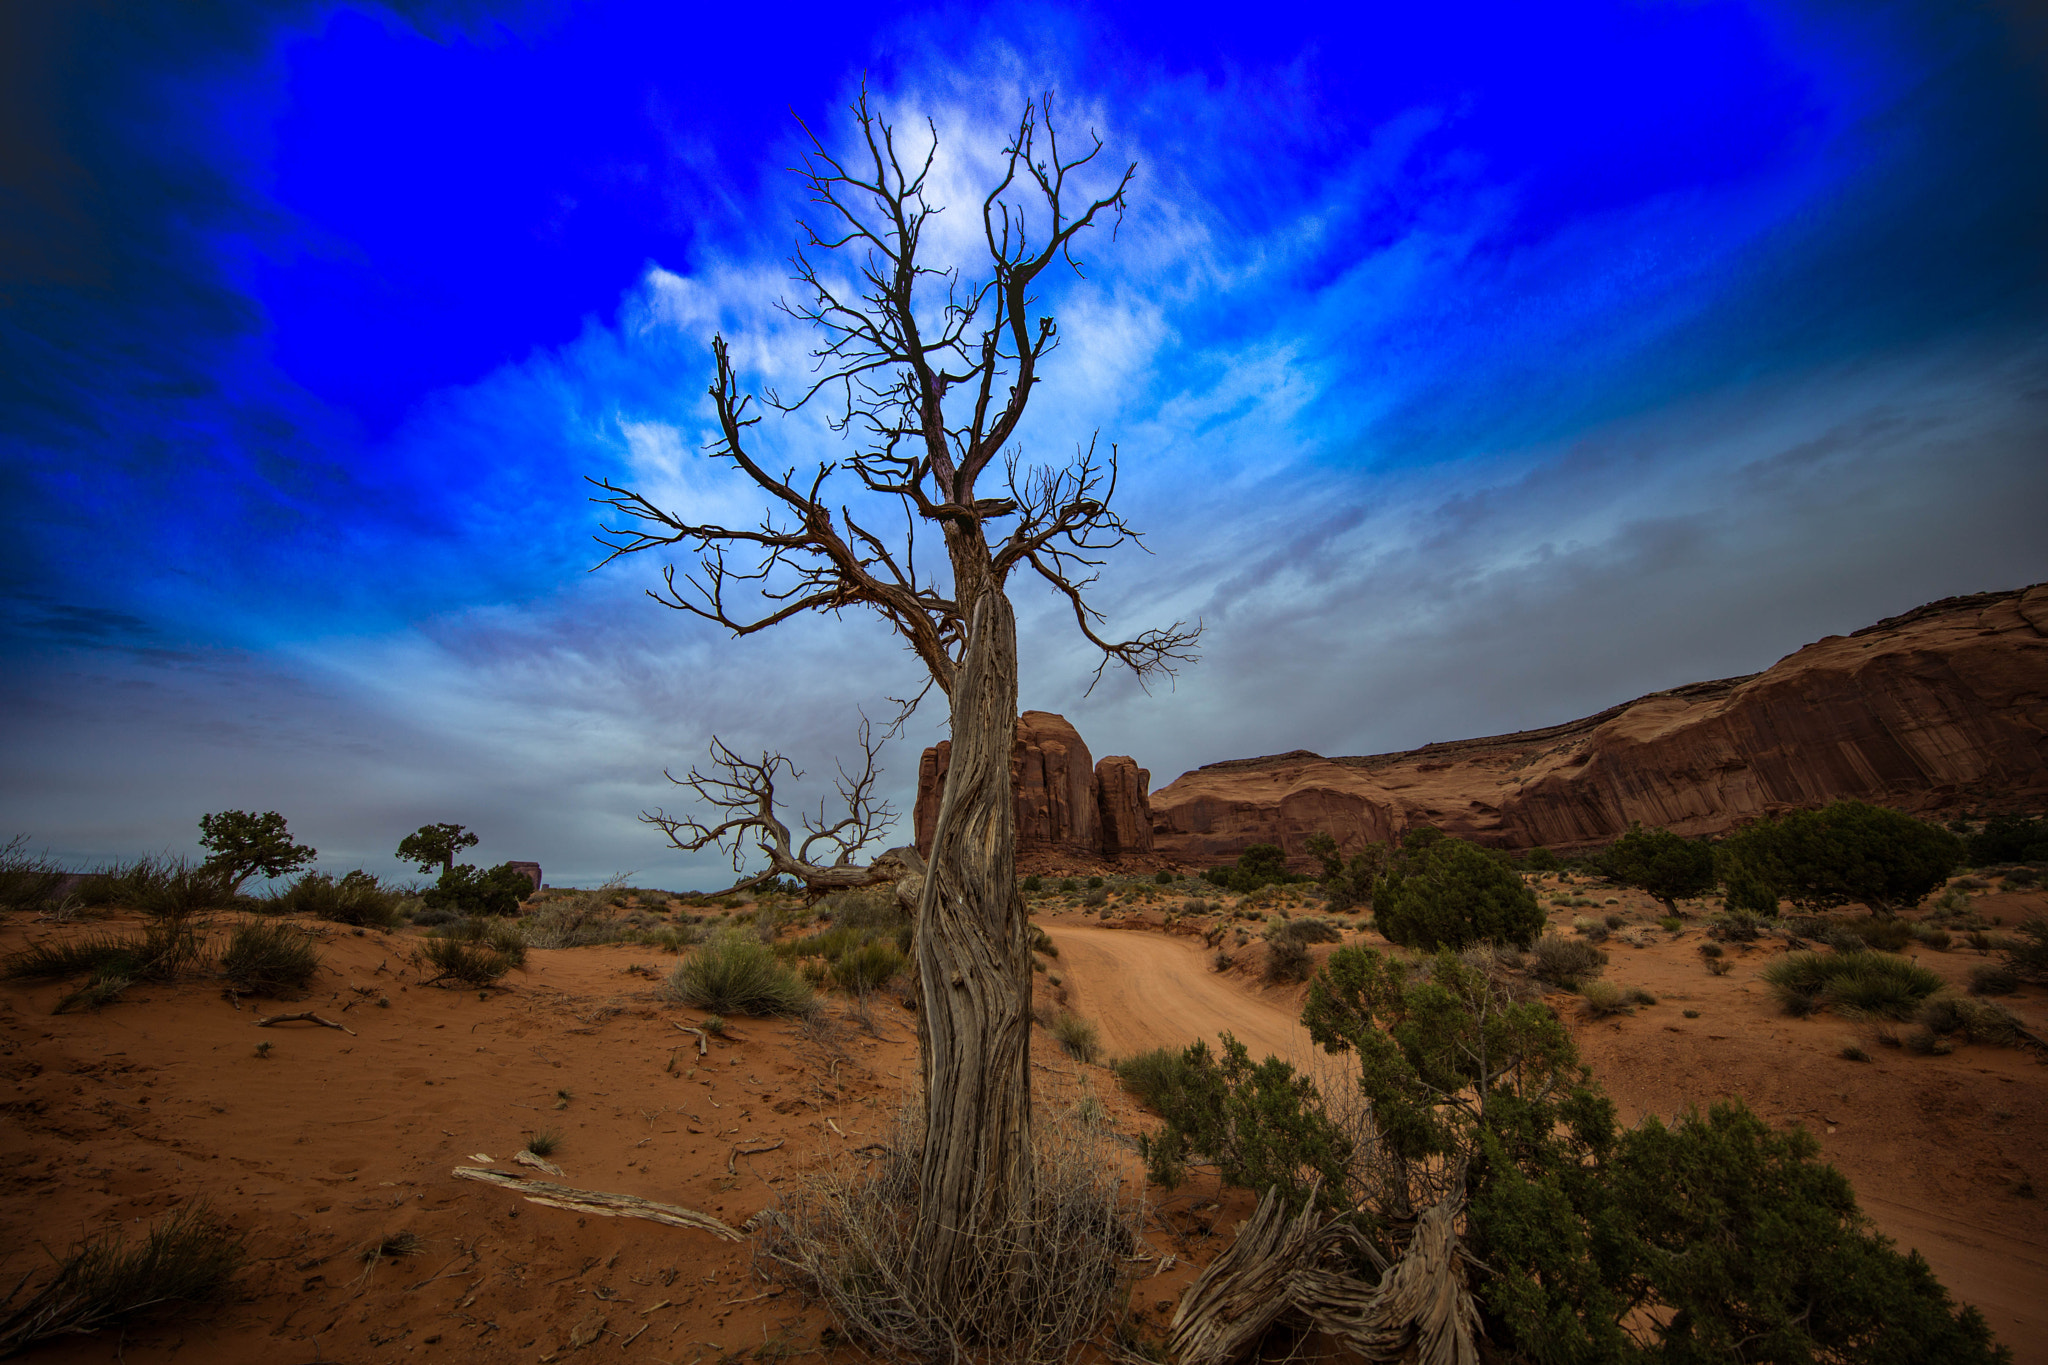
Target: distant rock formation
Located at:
point(1937, 710)
point(1125, 807)
point(1066, 803)
point(532, 870)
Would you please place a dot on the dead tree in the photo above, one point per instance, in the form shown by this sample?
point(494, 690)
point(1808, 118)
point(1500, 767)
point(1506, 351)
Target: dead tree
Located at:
point(744, 791)
point(929, 370)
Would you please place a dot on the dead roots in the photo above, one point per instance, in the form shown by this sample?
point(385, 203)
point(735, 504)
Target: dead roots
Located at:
point(1281, 1268)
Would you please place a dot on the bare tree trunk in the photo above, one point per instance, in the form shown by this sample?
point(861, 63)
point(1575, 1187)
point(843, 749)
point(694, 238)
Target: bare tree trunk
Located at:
point(974, 975)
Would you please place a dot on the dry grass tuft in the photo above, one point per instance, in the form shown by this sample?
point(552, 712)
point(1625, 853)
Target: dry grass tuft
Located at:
point(1039, 1290)
point(189, 1257)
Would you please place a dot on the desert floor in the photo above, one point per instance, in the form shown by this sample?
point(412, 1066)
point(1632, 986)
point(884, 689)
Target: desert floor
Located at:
point(333, 1143)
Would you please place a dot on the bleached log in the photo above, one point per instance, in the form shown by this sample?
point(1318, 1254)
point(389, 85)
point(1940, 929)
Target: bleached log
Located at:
point(602, 1204)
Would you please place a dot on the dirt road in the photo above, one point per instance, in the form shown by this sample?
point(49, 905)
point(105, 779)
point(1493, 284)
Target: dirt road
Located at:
point(1150, 990)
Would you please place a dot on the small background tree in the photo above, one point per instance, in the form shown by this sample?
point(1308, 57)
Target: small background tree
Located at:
point(1847, 853)
point(1449, 893)
point(469, 890)
point(1349, 883)
point(241, 844)
point(435, 844)
point(1668, 866)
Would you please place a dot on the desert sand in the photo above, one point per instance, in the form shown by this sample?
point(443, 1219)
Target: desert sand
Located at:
point(335, 1143)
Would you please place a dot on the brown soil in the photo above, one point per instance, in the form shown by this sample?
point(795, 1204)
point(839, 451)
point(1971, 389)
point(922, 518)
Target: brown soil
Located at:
point(334, 1141)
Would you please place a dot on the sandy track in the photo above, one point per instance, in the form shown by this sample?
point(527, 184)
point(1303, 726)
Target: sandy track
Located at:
point(1146, 990)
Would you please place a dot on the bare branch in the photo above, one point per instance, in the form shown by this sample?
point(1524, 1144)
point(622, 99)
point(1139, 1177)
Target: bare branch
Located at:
point(896, 337)
point(743, 791)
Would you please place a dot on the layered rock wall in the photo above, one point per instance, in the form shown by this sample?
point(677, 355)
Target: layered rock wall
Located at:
point(1943, 708)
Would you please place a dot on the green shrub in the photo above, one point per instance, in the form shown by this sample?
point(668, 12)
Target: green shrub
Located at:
point(269, 957)
point(1667, 865)
point(1857, 983)
point(1263, 1125)
point(1978, 1020)
point(1075, 1035)
point(1600, 999)
point(1847, 853)
point(1350, 884)
point(164, 951)
point(1449, 893)
point(1258, 867)
point(1990, 979)
point(470, 891)
point(1033, 883)
point(734, 975)
point(867, 968)
point(1565, 962)
point(1158, 1078)
point(1925, 1042)
point(474, 952)
point(1162, 878)
point(2009, 839)
point(2026, 956)
point(356, 899)
point(1540, 859)
point(1068, 886)
point(1287, 960)
point(1886, 935)
point(1736, 926)
point(1930, 937)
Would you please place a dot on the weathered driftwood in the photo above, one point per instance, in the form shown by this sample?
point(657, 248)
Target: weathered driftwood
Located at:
point(540, 1163)
point(1233, 1303)
point(602, 1204)
point(1419, 1312)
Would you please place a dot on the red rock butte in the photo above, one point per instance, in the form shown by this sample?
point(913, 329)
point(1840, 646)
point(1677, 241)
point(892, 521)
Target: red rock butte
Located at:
point(1938, 710)
point(1068, 807)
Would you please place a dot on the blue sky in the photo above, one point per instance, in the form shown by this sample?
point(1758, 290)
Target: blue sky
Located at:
point(1473, 367)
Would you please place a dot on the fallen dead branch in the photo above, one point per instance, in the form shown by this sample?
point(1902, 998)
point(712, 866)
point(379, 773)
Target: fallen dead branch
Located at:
point(602, 1204)
point(303, 1017)
point(703, 1038)
point(539, 1163)
point(738, 1151)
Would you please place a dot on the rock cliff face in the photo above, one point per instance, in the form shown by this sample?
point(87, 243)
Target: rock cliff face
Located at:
point(1066, 803)
point(1943, 708)
point(1125, 807)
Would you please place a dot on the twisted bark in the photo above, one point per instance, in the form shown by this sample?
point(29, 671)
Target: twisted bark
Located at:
point(974, 974)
